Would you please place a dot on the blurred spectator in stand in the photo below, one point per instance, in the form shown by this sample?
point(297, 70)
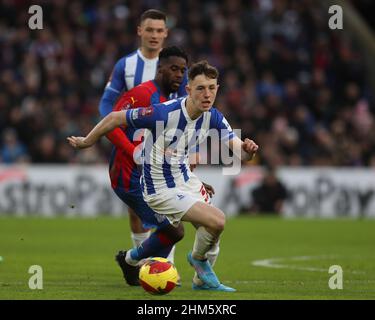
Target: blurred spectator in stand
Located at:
point(270, 195)
point(12, 151)
point(45, 151)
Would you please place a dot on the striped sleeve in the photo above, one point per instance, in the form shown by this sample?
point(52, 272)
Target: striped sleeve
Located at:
point(115, 85)
point(219, 122)
point(144, 117)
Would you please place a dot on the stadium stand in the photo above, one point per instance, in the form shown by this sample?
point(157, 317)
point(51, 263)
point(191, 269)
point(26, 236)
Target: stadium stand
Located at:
point(296, 87)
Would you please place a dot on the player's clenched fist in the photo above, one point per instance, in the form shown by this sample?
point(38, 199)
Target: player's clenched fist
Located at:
point(249, 146)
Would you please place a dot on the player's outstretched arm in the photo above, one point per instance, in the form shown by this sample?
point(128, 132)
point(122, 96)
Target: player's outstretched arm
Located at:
point(245, 150)
point(107, 124)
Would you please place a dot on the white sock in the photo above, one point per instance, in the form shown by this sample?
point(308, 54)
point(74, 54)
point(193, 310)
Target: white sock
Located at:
point(138, 238)
point(204, 241)
point(171, 254)
point(212, 255)
point(129, 259)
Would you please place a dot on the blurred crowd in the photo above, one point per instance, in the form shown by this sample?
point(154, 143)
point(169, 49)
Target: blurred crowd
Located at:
point(286, 80)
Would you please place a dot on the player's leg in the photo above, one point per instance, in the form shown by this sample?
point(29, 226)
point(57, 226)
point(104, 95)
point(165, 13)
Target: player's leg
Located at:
point(212, 255)
point(211, 223)
point(198, 284)
point(138, 233)
point(180, 204)
point(208, 220)
point(158, 244)
point(171, 254)
point(162, 240)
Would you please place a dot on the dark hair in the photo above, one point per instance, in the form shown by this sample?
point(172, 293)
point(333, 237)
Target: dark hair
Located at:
point(202, 67)
point(153, 14)
point(173, 51)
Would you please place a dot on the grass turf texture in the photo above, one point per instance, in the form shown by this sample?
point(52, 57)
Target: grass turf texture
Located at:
point(77, 257)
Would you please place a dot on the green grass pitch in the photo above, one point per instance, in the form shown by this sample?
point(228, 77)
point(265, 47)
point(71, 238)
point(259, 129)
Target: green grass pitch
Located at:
point(77, 258)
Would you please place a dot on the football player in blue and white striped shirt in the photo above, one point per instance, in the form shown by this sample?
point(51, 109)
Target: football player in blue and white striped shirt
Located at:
point(130, 71)
point(169, 187)
point(141, 65)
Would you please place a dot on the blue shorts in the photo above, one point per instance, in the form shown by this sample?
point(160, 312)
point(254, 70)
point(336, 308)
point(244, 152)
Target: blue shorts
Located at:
point(149, 218)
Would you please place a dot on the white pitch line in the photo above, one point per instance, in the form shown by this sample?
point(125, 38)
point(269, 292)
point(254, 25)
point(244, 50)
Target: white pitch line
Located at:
point(276, 263)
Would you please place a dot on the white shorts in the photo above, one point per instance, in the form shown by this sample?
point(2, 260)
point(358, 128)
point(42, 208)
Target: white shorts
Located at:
point(175, 202)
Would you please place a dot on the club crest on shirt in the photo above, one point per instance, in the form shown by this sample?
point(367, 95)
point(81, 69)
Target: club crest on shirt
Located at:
point(142, 112)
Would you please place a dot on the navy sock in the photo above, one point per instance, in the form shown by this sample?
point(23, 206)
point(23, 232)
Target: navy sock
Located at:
point(157, 245)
